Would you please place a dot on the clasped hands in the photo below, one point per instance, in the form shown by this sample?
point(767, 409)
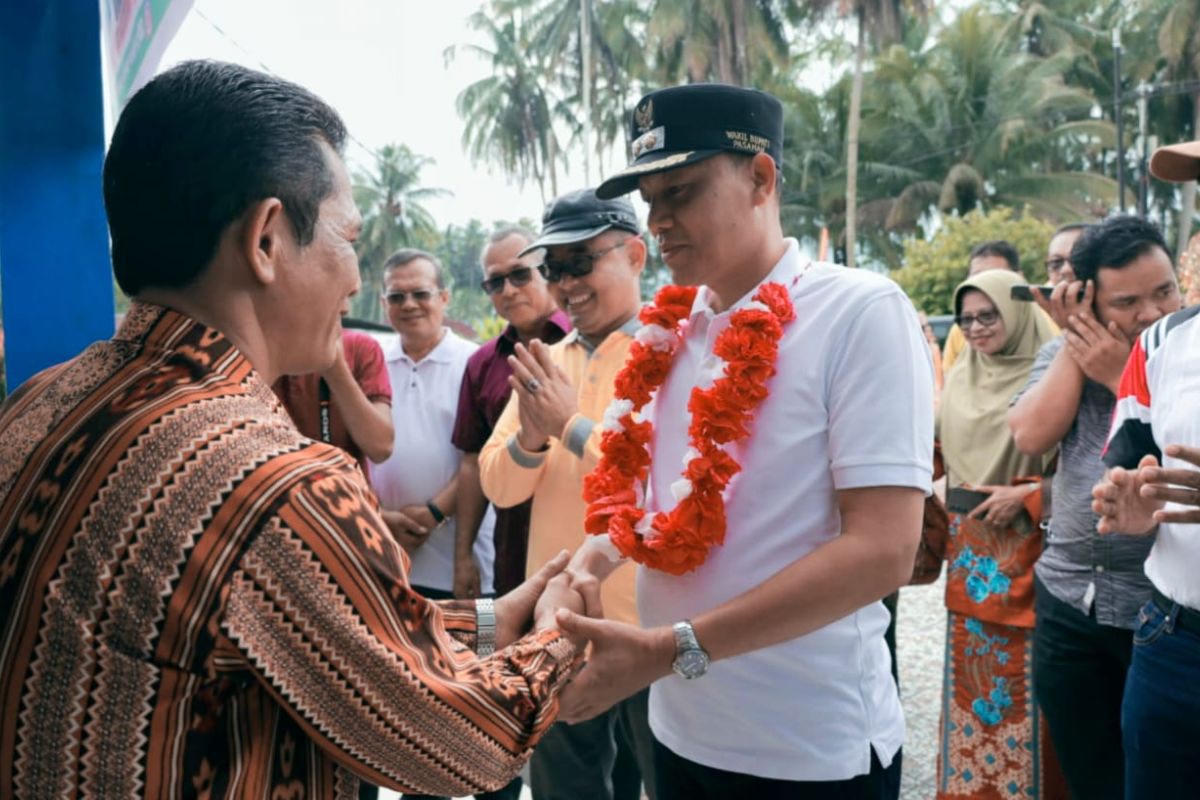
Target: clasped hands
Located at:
point(546, 400)
point(615, 659)
point(1134, 501)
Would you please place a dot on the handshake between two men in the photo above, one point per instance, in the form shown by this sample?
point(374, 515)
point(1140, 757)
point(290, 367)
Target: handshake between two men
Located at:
point(615, 659)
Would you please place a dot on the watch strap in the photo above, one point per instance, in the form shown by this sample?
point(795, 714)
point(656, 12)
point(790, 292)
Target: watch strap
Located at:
point(485, 627)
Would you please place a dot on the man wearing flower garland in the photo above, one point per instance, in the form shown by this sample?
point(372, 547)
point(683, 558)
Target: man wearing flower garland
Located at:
point(771, 485)
point(545, 442)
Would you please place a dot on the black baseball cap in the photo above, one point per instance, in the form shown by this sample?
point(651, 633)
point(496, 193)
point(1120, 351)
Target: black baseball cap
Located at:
point(674, 127)
point(580, 215)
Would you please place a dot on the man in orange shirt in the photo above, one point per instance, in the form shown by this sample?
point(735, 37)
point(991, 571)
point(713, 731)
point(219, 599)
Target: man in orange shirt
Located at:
point(548, 438)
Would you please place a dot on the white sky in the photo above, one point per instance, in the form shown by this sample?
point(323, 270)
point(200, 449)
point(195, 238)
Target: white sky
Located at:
point(380, 64)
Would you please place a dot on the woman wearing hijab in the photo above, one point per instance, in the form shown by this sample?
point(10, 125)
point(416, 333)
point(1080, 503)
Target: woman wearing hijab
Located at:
point(991, 739)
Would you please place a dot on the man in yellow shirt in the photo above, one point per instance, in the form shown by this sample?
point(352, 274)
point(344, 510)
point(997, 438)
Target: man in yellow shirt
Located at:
point(548, 439)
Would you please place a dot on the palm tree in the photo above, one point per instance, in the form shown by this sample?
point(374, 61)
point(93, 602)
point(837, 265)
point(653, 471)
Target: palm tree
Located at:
point(391, 200)
point(606, 68)
point(974, 121)
point(509, 115)
point(878, 23)
point(708, 40)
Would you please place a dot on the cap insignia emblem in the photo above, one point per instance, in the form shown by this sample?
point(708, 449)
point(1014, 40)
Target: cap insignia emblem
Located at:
point(643, 116)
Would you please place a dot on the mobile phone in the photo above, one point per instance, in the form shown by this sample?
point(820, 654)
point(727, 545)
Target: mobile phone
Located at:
point(1023, 291)
point(962, 501)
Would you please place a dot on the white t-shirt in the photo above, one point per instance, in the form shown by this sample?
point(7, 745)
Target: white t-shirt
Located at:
point(423, 460)
point(1157, 405)
point(850, 407)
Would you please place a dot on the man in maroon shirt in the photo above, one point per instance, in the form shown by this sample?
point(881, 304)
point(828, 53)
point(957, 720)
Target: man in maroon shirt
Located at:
point(349, 405)
point(520, 296)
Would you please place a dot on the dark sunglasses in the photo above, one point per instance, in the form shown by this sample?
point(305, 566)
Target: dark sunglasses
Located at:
point(985, 319)
point(517, 277)
point(418, 296)
point(578, 265)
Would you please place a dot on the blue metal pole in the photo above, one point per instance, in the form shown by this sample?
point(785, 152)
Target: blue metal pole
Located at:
point(54, 266)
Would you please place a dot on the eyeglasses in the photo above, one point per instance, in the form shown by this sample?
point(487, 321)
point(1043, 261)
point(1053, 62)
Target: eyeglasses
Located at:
point(418, 296)
point(517, 277)
point(1057, 263)
point(578, 265)
point(985, 319)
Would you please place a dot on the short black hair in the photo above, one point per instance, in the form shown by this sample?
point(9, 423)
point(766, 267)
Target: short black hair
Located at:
point(1070, 227)
point(405, 255)
point(196, 147)
point(999, 248)
point(1114, 243)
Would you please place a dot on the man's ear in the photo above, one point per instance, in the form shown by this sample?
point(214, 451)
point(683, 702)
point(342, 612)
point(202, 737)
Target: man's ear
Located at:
point(764, 173)
point(266, 230)
point(635, 246)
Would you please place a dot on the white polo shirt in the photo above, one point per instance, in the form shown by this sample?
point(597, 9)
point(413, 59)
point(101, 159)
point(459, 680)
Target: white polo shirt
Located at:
point(423, 460)
point(850, 407)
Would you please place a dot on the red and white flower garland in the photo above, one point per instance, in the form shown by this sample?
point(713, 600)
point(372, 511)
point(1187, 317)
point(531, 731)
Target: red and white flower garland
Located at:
point(679, 541)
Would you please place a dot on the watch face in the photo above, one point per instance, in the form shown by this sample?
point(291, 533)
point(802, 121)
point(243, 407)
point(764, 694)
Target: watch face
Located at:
point(691, 663)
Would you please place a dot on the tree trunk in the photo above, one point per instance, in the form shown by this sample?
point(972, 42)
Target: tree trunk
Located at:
point(852, 126)
point(737, 28)
point(1188, 192)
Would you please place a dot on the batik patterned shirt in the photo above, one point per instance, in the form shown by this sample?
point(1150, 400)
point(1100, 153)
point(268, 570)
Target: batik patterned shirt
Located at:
point(200, 602)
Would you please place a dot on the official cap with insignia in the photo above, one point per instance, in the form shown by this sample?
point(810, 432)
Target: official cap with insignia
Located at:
point(1179, 163)
point(580, 215)
point(681, 125)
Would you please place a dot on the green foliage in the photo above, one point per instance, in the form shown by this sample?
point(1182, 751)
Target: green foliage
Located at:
point(391, 200)
point(932, 269)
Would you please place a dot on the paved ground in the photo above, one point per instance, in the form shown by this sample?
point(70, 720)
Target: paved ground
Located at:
point(920, 649)
point(920, 644)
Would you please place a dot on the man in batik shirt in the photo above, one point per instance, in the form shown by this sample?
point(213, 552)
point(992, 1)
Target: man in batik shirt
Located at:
point(198, 600)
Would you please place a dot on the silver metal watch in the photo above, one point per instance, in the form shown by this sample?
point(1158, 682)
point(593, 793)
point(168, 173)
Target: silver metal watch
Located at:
point(485, 627)
point(691, 660)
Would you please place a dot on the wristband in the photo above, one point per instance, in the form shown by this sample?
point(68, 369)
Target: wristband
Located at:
point(438, 516)
point(485, 627)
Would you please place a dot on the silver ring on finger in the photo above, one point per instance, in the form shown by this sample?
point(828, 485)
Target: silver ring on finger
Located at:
point(533, 384)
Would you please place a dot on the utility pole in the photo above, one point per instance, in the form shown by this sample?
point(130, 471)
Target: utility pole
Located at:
point(1116, 42)
point(585, 48)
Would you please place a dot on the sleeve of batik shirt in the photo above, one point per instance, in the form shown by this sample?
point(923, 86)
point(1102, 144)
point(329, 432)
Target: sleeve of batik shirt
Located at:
point(321, 610)
point(1130, 437)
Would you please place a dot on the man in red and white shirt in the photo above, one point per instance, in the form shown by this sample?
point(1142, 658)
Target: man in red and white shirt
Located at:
point(1153, 489)
point(823, 519)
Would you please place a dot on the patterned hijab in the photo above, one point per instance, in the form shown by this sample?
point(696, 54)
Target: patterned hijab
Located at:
point(976, 442)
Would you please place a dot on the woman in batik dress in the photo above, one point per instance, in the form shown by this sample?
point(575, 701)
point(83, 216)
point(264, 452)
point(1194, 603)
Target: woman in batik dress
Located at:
point(993, 743)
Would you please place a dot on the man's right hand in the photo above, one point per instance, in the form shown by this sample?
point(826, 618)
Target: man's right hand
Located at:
point(1065, 301)
point(1119, 501)
point(407, 532)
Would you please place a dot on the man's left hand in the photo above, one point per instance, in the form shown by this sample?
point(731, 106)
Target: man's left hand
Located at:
point(466, 577)
point(1181, 486)
point(624, 659)
point(546, 394)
